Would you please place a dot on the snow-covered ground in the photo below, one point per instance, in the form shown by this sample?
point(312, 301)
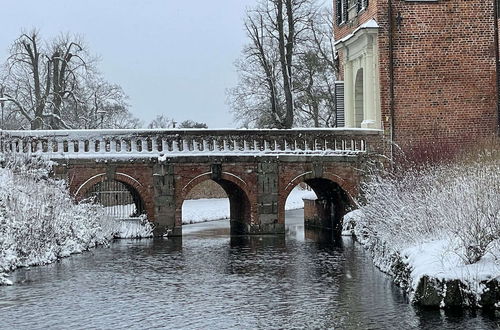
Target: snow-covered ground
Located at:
point(201, 210)
point(441, 224)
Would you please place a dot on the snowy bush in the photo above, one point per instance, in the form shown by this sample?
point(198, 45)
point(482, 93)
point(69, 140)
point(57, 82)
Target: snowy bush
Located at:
point(459, 202)
point(39, 222)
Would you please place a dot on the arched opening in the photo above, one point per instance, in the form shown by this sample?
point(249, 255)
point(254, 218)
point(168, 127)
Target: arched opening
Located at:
point(324, 205)
point(120, 200)
point(358, 99)
point(217, 199)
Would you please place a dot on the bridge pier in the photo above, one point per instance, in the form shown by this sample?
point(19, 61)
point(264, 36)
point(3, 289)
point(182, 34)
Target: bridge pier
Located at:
point(164, 201)
point(267, 200)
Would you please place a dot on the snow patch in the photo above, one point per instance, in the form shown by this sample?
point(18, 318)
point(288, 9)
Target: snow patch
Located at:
point(201, 210)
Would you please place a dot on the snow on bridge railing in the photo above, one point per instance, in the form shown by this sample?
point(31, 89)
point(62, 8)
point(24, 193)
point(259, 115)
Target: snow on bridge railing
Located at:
point(74, 144)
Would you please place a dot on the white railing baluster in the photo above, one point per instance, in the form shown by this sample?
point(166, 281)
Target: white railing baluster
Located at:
point(81, 146)
point(133, 145)
point(112, 146)
point(164, 145)
point(320, 142)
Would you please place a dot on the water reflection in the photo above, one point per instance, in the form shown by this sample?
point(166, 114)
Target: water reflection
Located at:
point(208, 279)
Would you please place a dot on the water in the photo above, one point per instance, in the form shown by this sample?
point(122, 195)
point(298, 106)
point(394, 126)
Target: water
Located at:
point(208, 280)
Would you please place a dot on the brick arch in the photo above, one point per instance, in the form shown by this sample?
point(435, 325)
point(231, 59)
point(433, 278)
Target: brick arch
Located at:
point(208, 176)
point(120, 177)
point(302, 178)
point(334, 198)
point(238, 192)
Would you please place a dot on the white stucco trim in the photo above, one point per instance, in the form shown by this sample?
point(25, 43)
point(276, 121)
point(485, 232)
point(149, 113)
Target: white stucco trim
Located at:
point(371, 24)
point(195, 178)
point(359, 51)
point(85, 183)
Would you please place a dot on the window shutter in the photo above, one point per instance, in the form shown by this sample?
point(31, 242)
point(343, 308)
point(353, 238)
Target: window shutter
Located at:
point(339, 11)
point(339, 104)
point(362, 4)
point(345, 11)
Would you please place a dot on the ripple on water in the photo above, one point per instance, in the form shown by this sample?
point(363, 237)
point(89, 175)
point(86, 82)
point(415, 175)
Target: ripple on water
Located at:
point(209, 280)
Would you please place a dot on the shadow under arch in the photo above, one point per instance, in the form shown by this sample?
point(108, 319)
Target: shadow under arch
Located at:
point(117, 194)
point(239, 203)
point(328, 210)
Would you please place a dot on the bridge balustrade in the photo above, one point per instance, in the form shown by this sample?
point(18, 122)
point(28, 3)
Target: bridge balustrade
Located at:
point(191, 142)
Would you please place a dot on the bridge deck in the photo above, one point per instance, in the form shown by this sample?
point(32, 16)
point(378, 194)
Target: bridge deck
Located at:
point(163, 144)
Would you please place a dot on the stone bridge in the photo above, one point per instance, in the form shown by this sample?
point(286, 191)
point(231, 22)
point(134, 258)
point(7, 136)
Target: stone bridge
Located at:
point(256, 168)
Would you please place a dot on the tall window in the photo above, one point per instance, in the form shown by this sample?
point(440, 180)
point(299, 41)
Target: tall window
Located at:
point(362, 4)
point(341, 11)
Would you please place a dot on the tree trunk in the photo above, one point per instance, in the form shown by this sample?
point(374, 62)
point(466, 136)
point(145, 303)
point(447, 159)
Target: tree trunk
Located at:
point(32, 51)
point(286, 55)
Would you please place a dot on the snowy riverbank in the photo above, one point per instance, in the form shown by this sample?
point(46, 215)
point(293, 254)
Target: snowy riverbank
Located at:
point(437, 232)
point(40, 223)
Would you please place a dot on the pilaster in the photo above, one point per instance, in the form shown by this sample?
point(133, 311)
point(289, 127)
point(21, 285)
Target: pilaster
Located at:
point(164, 201)
point(267, 200)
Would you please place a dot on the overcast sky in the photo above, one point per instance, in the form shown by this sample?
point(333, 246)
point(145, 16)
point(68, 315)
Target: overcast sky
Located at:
point(172, 57)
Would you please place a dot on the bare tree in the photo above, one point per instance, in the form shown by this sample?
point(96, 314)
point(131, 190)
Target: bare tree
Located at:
point(39, 79)
point(162, 121)
point(119, 117)
point(57, 85)
point(192, 124)
point(317, 69)
point(267, 73)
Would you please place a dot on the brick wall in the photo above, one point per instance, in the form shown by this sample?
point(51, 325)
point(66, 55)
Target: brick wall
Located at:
point(190, 175)
point(364, 16)
point(207, 189)
point(444, 71)
point(311, 211)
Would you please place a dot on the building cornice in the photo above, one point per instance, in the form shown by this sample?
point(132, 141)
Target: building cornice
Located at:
point(370, 27)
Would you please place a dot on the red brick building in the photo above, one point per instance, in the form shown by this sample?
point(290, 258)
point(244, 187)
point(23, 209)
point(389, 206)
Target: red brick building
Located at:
point(425, 71)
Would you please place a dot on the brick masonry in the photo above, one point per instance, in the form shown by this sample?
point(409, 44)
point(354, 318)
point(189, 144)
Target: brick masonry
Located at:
point(207, 189)
point(445, 93)
point(256, 186)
